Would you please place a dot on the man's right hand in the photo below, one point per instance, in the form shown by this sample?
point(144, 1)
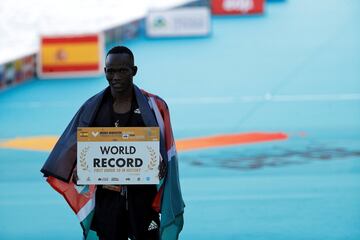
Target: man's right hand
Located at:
point(74, 177)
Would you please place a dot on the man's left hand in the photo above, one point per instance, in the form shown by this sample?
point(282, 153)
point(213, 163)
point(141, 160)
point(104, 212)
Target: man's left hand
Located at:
point(162, 168)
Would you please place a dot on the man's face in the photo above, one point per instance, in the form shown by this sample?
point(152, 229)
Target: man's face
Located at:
point(119, 71)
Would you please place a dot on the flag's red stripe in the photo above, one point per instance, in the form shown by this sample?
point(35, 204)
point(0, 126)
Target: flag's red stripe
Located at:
point(76, 200)
point(70, 68)
point(77, 39)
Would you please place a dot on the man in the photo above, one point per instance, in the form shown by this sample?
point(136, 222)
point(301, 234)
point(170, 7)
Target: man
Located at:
point(121, 212)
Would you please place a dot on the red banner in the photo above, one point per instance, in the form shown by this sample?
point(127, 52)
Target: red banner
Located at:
point(237, 7)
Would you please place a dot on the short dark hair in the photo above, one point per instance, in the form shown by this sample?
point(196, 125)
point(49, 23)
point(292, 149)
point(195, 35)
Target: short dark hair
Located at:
point(121, 49)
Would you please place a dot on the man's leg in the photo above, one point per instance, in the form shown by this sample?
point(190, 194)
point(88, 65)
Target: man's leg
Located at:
point(110, 216)
point(143, 219)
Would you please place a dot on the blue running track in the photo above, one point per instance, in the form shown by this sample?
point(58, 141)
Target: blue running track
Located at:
point(294, 70)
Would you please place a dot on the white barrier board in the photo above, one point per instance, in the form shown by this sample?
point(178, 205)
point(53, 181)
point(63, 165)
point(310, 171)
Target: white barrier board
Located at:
point(180, 22)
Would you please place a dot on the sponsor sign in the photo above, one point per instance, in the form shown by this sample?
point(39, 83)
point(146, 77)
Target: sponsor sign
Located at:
point(29, 66)
point(70, 55)
point(180, 22)
point(113, 35)
point(17, 71)
point(237, 7)
point(109, 36)
point(2, 76)
point(9, 73)
point(130, 31)
point(122, 33)
point(118, 155)
point(19, 75)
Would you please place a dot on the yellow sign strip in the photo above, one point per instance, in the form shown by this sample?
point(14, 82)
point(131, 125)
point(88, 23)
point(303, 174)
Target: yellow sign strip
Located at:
point(118, 134)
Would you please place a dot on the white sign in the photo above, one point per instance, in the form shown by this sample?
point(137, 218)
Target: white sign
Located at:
point(181, 22)
point(118, 156)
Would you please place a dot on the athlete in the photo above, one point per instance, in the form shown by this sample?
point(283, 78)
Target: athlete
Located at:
point(123, 211)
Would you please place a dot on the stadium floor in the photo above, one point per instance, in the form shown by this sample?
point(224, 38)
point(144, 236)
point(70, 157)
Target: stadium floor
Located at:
point(294, 70)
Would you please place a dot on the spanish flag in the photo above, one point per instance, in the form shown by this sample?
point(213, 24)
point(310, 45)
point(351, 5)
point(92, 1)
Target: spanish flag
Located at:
point(79, 55)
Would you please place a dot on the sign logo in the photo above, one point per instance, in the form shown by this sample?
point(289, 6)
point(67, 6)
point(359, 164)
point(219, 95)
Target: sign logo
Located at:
point(238, 5)
point(95, 134)
point(159, 22)
point(84, 134)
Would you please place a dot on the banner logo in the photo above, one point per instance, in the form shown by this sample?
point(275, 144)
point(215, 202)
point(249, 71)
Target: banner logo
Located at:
point(159, 22)
point(238, 5)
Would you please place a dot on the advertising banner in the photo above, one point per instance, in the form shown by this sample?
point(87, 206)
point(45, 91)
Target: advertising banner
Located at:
point(237, 7)
point(70, 55)
point(180, 22)
point(130, 30)
point(122, 33)
point(9, 73)
point(19, 74)
point(29, 66)
point(118, 155)
point(110, 36)
point(2, 76)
